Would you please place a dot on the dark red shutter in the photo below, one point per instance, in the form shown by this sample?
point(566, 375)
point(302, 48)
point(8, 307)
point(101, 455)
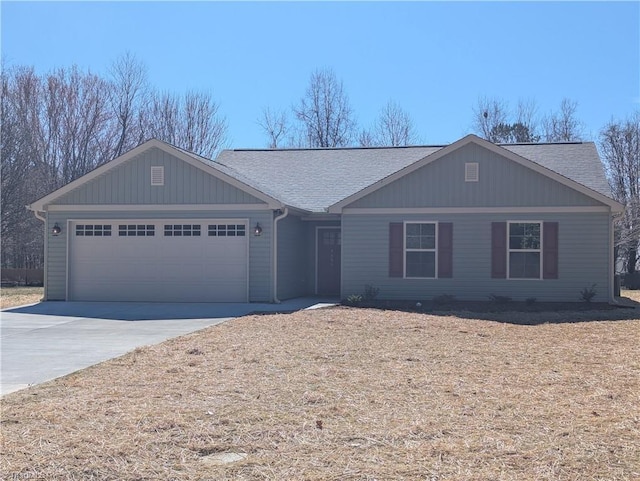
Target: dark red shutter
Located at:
point(396, 249)
point(445, 249)
point(499, 250)
point(550, 250)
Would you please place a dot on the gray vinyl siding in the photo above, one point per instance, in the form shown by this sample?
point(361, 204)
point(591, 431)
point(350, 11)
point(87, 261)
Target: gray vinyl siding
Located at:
point(502, 183)
point(292, 272)
point(583, 258)
point(259, 247)
point(297, 261)
point(130, 183)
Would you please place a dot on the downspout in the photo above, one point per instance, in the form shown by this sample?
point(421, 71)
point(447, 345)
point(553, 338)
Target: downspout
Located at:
point(612, 263)
point(284, 214)
point(44, 274)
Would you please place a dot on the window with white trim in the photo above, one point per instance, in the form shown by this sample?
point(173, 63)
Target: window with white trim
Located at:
point(524, 253)
point(420, 250)
point(182, 230)
point(93, 230)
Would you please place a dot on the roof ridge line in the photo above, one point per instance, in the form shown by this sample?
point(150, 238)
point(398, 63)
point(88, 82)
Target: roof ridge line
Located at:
point(309, 149)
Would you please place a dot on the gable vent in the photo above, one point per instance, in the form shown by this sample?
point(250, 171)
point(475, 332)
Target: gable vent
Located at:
point(471, 171)
point(157, 175)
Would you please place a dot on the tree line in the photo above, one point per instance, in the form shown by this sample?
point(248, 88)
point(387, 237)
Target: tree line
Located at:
point(57, 126)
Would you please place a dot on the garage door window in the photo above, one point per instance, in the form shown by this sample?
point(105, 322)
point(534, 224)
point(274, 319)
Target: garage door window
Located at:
point(227, 230)
point(136, 230)
point(92, 230)
point(182, 230)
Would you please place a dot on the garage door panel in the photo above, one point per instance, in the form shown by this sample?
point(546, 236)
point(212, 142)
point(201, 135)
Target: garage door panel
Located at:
point(159, 267)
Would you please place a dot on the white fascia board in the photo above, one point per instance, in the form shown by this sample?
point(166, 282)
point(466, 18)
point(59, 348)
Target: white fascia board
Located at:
point(475, 210)
point(613, 205)
point(155, 207)
point(103, 169)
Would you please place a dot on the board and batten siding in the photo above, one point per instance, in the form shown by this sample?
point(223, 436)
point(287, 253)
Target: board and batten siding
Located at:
point(502, 183)
point(583, 258)
point(130, 183)
point(260, 259)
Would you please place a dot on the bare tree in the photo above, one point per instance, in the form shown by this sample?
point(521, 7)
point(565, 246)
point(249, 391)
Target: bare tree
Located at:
point(563, 126)
point(275, 124)
point(620, 147)
point(366, 139)
point(58, 126)
point(394, 126)
point(491, 120)
point(128, 95)
point(21, 175)
point(190, 122)
point(526, 117)
point(488, 114)
point(325, 112)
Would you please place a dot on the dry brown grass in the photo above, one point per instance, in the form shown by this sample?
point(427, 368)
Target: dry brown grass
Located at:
point(633, 295)
point(344, 394)
point(19, 296)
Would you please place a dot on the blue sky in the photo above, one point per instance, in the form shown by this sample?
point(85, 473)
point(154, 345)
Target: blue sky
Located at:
point(435, 59)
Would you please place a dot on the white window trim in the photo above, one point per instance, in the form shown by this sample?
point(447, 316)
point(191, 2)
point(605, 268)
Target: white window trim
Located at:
point(509, 250)
point(405, 250)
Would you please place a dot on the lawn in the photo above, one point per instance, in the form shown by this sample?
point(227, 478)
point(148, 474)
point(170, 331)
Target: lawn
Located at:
point(345, 394)
point(19, 296)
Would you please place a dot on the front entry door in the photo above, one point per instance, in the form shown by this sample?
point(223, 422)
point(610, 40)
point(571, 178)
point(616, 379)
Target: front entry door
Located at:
point(329, 244)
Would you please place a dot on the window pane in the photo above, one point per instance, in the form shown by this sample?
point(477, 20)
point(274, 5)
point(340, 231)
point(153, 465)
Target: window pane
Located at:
point(524, 236)
point(421, 236)
point(421, 264)
point(413, 242)
point(428, 242)
point(428, 229)
point(413, 229)
point(516, 229)
point(524, 265)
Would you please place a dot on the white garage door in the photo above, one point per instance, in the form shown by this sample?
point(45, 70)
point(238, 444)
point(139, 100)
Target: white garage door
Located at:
point(160, 261)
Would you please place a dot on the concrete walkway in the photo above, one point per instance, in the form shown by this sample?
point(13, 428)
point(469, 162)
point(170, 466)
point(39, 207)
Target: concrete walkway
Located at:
point(52, 339)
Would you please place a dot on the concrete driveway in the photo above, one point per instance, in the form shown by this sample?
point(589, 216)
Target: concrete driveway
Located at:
point(51, 339)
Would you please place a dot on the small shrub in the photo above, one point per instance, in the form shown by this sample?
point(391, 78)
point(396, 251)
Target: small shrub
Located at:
point(370, 292)
point(499, 299)
point(443, 299)
point(588, 293)
point(530, 301)
point(354, 299)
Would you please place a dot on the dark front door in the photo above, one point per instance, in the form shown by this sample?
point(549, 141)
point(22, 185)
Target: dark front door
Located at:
point(329, 244)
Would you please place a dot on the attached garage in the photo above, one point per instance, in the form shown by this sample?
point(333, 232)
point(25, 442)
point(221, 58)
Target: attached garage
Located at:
point(158, 260)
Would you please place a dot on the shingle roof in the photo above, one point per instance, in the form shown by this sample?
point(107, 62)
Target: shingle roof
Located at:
point(314, 179)
point(578, 161)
